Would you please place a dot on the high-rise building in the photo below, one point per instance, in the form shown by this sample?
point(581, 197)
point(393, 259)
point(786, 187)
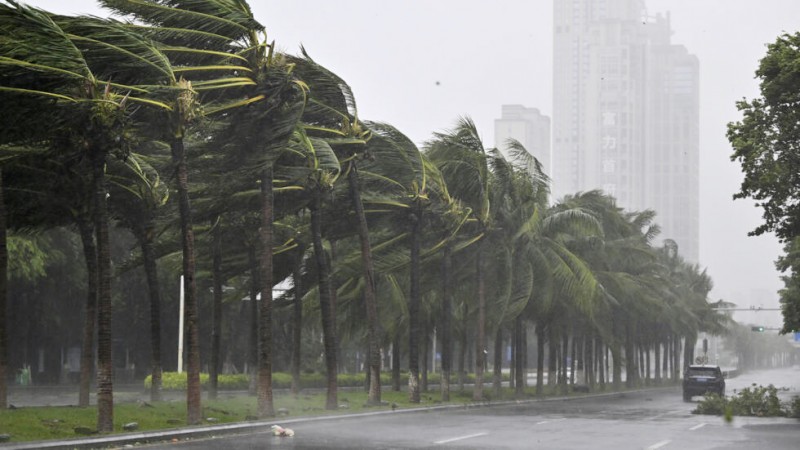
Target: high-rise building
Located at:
point(626, 113)
point(529, 127)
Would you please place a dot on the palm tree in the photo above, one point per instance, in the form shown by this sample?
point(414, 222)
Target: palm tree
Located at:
point(464, 162)
point(316, 178)
point(226, 35)
point(66, 67)
point(406, 194)
point(136, 193)
point(3, 300)
point(332, 115)
point(532, 243)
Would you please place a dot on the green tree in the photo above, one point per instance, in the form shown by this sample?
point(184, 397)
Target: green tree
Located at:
point(766, 143)
point(790, 294)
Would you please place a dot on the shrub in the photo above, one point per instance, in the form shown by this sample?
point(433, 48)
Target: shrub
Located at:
point(282, 380)
point(794, 407)
point(752, 401)
point(712, 404)
point(174, 381)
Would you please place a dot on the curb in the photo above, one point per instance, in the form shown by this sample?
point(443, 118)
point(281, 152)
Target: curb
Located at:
point(263, 426)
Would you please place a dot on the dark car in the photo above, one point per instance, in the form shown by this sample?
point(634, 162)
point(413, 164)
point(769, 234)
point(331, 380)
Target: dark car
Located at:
point(699, 380)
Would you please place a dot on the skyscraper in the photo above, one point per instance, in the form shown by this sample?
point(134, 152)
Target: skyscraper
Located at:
point(626, 113)
point(528, 126)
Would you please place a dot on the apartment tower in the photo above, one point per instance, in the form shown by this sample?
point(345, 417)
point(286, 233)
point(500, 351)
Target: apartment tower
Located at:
point(626, 113)
point(528, 126)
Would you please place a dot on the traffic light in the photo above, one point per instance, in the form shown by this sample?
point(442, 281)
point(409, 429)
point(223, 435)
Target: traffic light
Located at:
point(758, 329)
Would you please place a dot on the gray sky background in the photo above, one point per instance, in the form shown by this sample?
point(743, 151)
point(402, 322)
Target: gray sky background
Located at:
point(420, 64)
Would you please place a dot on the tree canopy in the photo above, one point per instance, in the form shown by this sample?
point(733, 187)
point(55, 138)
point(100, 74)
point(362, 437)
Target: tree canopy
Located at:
point(766, 142)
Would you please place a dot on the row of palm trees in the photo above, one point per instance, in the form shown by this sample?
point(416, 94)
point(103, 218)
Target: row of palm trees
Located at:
point(186, 127)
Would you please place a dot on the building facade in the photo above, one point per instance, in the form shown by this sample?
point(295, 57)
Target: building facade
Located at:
point(528, 126)
point(626, 113)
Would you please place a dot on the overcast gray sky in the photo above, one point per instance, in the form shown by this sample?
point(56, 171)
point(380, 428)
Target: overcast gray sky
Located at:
point(419, 64)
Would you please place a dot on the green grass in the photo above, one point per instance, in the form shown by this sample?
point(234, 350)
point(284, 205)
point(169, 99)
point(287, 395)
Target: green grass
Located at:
point(42, 423)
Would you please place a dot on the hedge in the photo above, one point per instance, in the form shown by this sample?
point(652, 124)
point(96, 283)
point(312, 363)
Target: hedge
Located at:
point(282, 380)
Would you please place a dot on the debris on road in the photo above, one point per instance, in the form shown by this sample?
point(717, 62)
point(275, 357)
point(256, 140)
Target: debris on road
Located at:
point(278, 430)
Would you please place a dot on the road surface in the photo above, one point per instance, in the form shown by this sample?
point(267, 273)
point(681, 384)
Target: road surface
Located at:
point(646, 420)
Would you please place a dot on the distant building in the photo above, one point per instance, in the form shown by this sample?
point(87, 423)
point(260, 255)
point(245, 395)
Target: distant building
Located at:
point(529, 127)
point(626, 113)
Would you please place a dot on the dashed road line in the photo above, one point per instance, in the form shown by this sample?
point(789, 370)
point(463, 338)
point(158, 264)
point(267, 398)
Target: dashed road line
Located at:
point(668, 413)
point(658, 445)
point(698, 426)
point(460, 438)
point(548, 421)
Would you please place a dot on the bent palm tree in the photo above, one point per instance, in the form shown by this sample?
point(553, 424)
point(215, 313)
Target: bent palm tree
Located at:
point(464, 162)
point(62, 65)
point(220, 45)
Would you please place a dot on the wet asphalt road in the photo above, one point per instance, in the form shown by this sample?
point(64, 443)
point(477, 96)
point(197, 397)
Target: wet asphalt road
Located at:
point(648, 420)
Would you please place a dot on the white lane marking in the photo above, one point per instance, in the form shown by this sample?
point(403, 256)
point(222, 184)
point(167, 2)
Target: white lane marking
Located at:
point(548, 421)
point(460, 438)
point(698, 426)
point(658, 445)
point(668, 413)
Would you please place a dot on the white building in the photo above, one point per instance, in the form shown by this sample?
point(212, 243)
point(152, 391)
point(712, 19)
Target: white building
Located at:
point(626, 113)
point(529, 127)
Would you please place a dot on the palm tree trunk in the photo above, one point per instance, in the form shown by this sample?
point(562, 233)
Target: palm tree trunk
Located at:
point(516, 353)
point(616, 352)
point(216, 319)
point(588, 365)
point(252, 341)
point(657, 360)
point(616, 357)
point(396, 362)
point(3, 301)
point(447, 311)
point(497, 380)
point(426, 346)
point(264, 389)
point(105, 373)
point(326, 306)
point(151, 272)
point(512, 363)
point(573, 361)
point(193, 400)
point(413, 309)
point(524, 355)
point(541, 336)
point(565, 362)
point(676, 361)
point(630, 358)
point(370, 302)
point(480, 344)
point(86, 229)
point(552, 357)
point(688, 349)
point(297, 321)
point(462, 351)
point(602, 364)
